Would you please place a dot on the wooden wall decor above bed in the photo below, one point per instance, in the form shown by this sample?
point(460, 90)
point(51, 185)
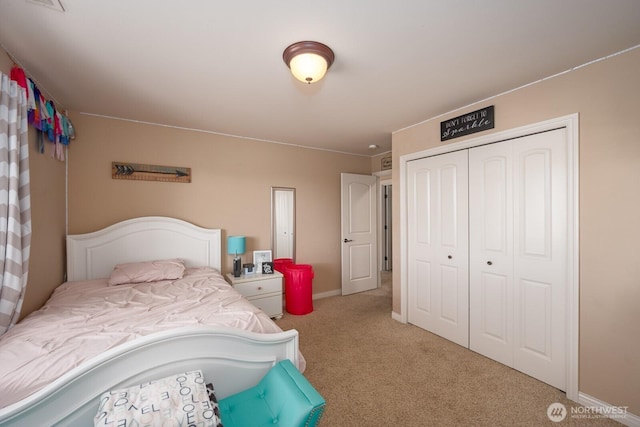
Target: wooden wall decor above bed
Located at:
point(139, 172)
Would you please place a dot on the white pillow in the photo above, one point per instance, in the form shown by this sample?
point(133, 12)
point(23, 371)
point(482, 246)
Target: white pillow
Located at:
point(148, 271)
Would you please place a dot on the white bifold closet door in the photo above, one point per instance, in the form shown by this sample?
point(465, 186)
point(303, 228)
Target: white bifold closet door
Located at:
point(518, 254)
point(438, 285)
point(487, 247)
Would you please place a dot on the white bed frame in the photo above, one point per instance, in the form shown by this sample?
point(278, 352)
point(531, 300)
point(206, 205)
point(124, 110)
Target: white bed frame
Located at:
point(232, 359)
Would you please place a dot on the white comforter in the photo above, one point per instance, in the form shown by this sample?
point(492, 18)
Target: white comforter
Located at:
point(83, 319)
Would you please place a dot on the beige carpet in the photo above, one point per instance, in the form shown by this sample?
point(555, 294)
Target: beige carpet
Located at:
point(375, 371)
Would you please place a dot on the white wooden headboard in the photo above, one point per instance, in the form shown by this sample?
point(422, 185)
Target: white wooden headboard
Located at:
point(93, 255)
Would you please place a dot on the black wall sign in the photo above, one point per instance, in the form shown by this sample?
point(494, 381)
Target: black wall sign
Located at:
point(473, 122)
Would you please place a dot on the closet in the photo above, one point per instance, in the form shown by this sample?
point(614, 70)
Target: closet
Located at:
point(487, 250)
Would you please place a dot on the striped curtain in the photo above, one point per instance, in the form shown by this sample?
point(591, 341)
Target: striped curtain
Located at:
point(15, 202)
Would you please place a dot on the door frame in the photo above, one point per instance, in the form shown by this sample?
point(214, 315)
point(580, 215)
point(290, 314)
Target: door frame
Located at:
point(571, 123)
point(384, 178)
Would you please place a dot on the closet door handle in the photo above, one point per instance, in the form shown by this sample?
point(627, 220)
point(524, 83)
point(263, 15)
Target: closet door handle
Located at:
point(348, 240)
point(450, 257)
point(489, 263)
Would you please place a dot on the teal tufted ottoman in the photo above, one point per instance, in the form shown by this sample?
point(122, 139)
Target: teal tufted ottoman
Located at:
point(284, 397)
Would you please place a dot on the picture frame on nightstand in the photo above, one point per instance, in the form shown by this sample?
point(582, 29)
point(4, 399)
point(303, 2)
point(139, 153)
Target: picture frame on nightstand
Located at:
point(267, 267)
point(261, 256)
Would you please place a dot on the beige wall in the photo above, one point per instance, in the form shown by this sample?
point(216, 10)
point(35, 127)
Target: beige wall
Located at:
point(605, 94)
point(47, 260)
point(376, 162)
point(231, 186)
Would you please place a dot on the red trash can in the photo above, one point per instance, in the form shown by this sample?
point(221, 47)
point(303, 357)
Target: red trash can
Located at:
point(280, 264)
point(298, 288)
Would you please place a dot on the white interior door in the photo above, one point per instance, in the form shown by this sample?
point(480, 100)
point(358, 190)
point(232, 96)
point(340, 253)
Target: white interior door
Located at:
point(359, 236)
point(438, 279)
point(518, 246)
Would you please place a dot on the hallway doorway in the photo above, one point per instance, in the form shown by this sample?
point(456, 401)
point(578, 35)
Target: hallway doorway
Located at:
point(386, 220)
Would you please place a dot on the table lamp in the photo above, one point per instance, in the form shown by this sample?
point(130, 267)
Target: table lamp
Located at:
point(236, 247)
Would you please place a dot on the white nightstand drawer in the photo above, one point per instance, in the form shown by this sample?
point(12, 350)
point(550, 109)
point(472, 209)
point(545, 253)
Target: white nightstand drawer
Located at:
point(271, 305)
point(262, 290)
point(259, 287)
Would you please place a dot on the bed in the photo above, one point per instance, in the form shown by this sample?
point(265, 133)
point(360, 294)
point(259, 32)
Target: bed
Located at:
point(197, 321)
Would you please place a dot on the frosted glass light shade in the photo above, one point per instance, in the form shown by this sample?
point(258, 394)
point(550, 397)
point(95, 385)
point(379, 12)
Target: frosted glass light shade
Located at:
point(308, 67)
point(308, 60)
point(236, 245)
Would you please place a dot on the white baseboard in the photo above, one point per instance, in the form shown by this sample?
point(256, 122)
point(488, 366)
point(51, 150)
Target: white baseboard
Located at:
point(327, 294)
point(598, 407)
point(396, 316)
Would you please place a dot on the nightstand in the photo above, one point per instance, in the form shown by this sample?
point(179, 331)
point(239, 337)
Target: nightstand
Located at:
point(262, 290)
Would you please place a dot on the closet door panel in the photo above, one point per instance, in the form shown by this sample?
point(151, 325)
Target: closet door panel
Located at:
point(421, 246)
point(491, 252)
point(535, 310)
point(449, 294)
point(421, 199)
point(438, 237)
point(449, 216)
point(422, 295)
point(493, 311)
point(495, 192)
point(534, 208)
point(540, 242)
point(449, 213)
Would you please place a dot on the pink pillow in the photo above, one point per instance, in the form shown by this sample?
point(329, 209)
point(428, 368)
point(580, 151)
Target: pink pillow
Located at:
point(148, 271)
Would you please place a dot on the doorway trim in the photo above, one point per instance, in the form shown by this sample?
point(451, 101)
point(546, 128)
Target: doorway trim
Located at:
point(384, 178)
point(571, 123)
point(384, 220)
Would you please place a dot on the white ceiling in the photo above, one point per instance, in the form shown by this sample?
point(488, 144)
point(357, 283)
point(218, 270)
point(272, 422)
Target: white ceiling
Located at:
point(217, 66)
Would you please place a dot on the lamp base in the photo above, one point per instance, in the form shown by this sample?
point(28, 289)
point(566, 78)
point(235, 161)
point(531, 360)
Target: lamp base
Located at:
point(237, 267)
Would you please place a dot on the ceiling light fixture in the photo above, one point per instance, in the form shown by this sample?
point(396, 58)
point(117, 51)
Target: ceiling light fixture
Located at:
point(51, 4)
point(308, 61)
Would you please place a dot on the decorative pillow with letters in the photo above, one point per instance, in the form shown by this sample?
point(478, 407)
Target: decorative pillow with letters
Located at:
point(177, 400)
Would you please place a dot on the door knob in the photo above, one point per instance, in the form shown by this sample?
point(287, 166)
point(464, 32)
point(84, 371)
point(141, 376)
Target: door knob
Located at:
point(348, 240)
point(449, 257)
point(489, 263)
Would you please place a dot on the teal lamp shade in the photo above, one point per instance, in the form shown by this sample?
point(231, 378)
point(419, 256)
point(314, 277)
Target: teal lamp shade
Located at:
point(236, 245)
